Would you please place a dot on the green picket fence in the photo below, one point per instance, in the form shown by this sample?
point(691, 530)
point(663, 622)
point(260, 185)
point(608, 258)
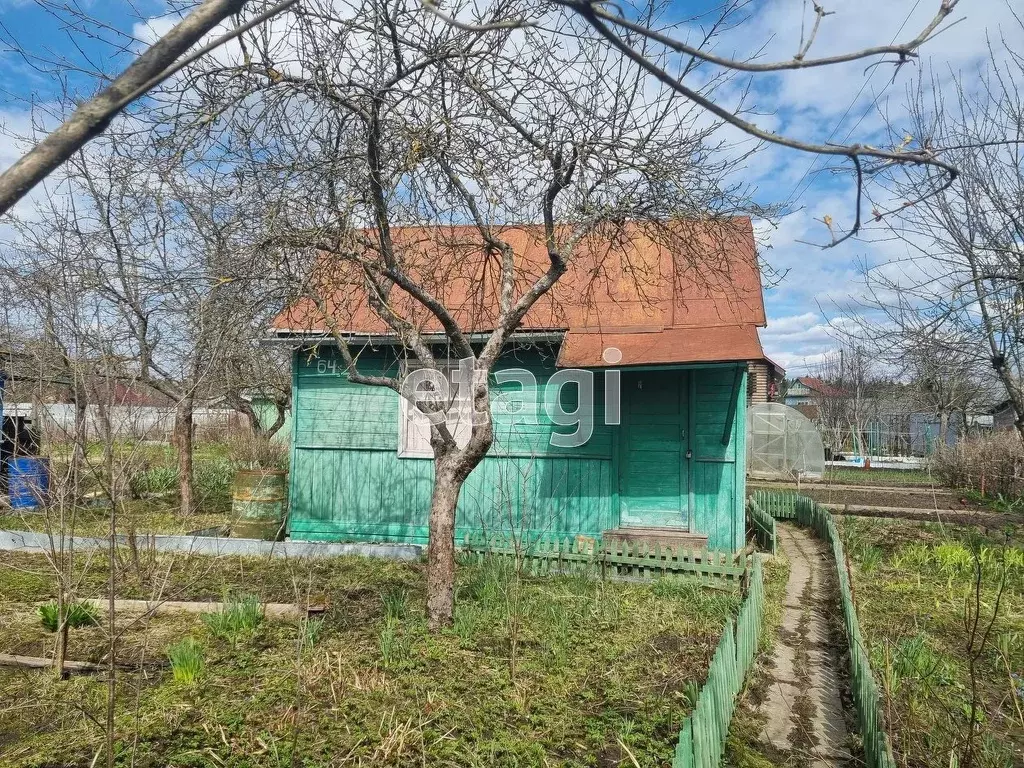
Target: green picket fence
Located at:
point(618, 557)
point(702, 738)
point(763, 526)
point(781, 505)
point(866, 696)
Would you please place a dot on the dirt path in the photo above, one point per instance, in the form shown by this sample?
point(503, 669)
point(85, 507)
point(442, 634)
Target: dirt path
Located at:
point(804, 710)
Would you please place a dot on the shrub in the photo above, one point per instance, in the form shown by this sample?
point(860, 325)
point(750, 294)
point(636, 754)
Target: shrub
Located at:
point(238, 617)
point(187, 662)
point(76, 614)
point(252, 451)
point(985, 463)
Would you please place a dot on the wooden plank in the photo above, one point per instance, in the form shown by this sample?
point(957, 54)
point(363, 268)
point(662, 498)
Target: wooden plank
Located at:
point(159, 607)
point(35, 662)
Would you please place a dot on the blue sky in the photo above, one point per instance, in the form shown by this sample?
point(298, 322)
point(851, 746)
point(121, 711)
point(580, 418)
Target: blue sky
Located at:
point(842, 103)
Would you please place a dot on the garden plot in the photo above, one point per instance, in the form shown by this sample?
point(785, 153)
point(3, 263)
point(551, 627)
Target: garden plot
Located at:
point(917, 498)
point(547, 671)
point(942, 609)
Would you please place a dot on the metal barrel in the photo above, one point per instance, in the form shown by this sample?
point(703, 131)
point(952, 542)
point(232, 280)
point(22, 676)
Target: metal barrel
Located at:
point(259, 500)
point(28, 481)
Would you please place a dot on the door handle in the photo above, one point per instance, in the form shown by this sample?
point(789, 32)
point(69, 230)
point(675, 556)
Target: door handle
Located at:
point(689, 453)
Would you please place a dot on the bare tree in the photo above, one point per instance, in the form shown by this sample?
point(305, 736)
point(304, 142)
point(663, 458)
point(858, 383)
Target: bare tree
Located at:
point(626, 30)
point(468, 134)
point(844, 403)
point(959, 286)
point(249, 371)
point(161, 61)
point(151, 247)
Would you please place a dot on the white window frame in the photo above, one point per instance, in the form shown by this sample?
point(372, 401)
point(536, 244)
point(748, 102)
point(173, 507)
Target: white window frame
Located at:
point(414, 427)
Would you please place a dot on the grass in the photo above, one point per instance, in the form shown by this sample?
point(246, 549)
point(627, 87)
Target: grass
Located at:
point(601, 670)
point(153, 486)
point(240, 617)
point(917, 598)
point(142, 515)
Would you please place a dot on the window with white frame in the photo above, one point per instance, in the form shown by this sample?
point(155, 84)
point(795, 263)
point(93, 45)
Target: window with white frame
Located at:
point(414, 424)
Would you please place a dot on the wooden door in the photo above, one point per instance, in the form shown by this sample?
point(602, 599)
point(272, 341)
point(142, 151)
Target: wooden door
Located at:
point(653, 466)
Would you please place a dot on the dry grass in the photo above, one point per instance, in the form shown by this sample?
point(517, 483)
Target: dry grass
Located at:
point(600, 669)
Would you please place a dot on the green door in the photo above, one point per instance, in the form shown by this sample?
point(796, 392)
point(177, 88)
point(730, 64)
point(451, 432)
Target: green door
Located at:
point(653, 467)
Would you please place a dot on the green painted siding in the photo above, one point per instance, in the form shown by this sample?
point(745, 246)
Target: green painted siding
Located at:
point(717, 476)
point(348, 481)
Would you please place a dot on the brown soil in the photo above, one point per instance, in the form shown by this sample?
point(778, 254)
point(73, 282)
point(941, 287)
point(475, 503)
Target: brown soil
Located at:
point(889, 497)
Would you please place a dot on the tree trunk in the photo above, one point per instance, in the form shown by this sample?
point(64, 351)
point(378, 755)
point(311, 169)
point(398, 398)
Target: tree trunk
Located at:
point(441, 551)
point(282, 414)
point(451, 468)
point(183, 439)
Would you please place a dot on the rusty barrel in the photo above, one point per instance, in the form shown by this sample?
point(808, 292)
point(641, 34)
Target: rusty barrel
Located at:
point(259, 500)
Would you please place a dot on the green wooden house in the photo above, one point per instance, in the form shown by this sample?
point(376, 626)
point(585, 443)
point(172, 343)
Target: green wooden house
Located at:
point(670, 463)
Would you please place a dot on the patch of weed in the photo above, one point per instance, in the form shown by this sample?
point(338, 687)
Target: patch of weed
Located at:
point(76, 615)
point(239, 617)
point(187, 661)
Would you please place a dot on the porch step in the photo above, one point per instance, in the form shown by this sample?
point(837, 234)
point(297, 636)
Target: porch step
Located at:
point(671, 537)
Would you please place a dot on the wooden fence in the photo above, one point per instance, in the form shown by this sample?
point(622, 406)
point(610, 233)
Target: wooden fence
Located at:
point(617, 557)
point(866, 697)
point(763, 526)
point(702, 738)
point(780, 505)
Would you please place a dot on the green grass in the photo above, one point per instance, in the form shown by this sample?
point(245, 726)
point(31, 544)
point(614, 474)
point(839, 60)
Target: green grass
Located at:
point(916, 603)
point(143, 516)
point(548, 671)
point(240, 617)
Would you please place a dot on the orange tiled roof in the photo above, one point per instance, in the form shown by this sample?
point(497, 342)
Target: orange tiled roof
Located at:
point(691, 295)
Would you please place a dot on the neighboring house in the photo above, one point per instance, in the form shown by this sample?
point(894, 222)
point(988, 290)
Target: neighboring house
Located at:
point(806, 390)
point(764, 378)
point(360, 457)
